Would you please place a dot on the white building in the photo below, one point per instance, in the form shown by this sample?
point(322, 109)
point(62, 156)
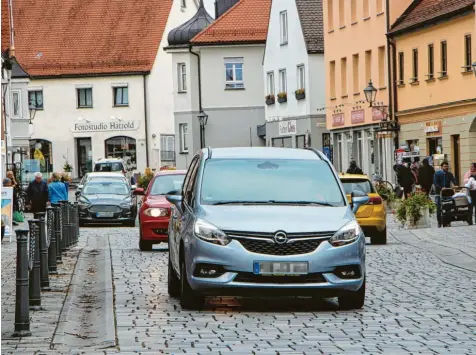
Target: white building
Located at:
point(101, 82)
point(218, 66)
point(294, 73)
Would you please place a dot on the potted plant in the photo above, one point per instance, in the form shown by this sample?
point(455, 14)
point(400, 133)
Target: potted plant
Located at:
point(282, 97)
point(388, 196)
point(414, 211)
point(270, 99)
point(300, 94)
point(145, 179)
point(67, 167)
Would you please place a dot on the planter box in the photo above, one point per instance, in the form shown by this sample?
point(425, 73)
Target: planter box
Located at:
point(300, 96)
point(270, 101)
point(282, 99)
point(424, 222)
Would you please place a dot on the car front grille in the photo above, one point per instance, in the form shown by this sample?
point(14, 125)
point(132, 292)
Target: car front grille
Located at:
point(104, 208)
point(264, 247)
point(261, 279)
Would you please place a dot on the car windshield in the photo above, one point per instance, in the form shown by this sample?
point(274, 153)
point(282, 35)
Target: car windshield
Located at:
point(362, 185)
point(164, 184)
point(108, 167)
point(270, 181)
point(106, 187)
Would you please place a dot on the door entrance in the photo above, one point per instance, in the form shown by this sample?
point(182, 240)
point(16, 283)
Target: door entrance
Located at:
point(456, 156)
point(85, 156)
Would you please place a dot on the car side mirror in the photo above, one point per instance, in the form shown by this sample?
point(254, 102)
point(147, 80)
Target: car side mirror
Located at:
point(174, 192)
point(138, 191)
point(358, 198)
point(77, 193)
point(175, 200)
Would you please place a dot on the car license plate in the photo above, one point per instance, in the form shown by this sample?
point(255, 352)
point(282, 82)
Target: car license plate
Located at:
point(105, 214)
point(281, 268)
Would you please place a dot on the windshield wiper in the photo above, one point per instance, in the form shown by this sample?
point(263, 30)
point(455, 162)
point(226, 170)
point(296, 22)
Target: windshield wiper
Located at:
point(240, 203)
point(272, 202)
point(309, 203)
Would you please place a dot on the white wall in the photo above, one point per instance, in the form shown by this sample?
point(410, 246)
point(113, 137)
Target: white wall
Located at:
point(317, 84)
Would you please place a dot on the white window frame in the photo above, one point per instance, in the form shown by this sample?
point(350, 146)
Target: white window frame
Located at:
point(234, 84)
point(283, 87)
point(78, 97)
point(167, 147)
point(182, 77)
point(19, 113)
point(270, 82)
point(183, 132)
point(301, 77)
point(114, 93)
point(35, 90)
point(283, 27)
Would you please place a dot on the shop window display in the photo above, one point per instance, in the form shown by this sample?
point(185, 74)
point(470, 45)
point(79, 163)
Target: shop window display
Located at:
point(42, 151)
point(124, 148)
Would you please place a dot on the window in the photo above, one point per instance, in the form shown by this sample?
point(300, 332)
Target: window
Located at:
point(330, 15)
point(182, 77)
point(415, 64)
point(301, 84)
point(122, 147)
point(467, 53)
point(282, 80)
point(343, 76)
point(85, 97)
point(444, 59)
point(164, 184)
point(106, 187)
point(16, 103)
point(183, 131)
point(362, 185)
point(401, 68)
point(234, 73)
point(381, 66)
point(366, 9)
point(368, 66)
point(431, 61)
point(355, 73)
point(183, 3)
point(35, 98)
point(283, 23)
point(270, 82)
point(341, 13)
point(167, 148)
point(353, 11)
point(121, 96)
point(332, 79)
point(379, 7)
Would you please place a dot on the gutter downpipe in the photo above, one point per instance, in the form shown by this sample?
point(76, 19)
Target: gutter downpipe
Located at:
point(146, 122)
point(200, 108)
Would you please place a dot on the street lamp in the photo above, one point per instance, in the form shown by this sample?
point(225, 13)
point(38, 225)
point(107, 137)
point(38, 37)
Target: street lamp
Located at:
point(32, 109)
point(370, 93)
point(203, 120)
point(474, 68)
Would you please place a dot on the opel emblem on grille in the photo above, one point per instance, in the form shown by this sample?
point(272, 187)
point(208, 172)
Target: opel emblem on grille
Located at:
point(280, 238)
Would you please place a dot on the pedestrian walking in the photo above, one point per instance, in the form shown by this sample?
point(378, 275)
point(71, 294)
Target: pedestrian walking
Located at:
point(442, 179)
point(57, 189)
point(354, 169)
point(415, 169)
point(470, 183)
point(425, 176)
point(405, 179)
point(38, 194)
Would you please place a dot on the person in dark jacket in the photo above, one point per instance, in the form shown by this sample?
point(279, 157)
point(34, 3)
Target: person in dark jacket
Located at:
point(38, 194)
point(425, 176)
point(442, 179)
point(354, 169)
point(405, 178)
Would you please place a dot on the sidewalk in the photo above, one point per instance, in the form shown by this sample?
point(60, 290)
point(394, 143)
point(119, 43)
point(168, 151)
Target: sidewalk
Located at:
point(42, 323)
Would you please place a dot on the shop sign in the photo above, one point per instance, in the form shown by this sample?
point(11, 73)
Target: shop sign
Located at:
point(378, 114)
point(287, 127)
point(357, 116)
point(433, 128)
point(107, 126)
point(338, 120)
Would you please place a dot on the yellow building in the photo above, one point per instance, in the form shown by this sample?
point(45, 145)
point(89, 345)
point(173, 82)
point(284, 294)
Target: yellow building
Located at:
point(356, 52)
point(435, 46)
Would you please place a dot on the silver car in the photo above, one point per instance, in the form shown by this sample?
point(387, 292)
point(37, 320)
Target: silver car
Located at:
point(264, 221)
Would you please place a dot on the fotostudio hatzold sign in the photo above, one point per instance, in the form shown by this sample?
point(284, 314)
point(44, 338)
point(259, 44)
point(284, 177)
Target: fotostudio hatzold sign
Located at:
point(105, 126)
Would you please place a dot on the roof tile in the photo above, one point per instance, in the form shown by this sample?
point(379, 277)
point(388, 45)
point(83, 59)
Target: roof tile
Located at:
point(5, 26)
point(312, 23)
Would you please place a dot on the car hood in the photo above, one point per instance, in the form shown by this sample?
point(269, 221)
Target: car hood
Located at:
point(157, 201)
point(104, 199)
point(269, 219)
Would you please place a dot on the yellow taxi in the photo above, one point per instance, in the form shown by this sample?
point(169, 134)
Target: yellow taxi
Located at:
point(371, 216)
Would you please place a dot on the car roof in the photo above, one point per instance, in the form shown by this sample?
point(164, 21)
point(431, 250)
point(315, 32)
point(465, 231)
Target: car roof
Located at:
point(109, 160)
point(263, 153)
point(170, 172)
point(106, 174)
point(353, 176)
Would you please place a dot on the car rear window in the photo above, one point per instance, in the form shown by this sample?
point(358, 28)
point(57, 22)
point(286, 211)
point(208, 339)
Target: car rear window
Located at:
point(262, 180)
point(164, 184)
point(362, 185)
point(108, 167)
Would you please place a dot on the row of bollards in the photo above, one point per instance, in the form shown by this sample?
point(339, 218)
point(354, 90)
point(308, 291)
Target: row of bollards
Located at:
point(39, 251)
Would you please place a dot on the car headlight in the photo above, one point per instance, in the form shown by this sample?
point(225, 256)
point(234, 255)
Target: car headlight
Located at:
point(346, 235)
point(125, 204)
point(210, 233)
point(156, 212)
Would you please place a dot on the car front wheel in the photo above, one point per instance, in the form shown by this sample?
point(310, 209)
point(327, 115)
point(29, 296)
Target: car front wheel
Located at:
point(189, 299)
point(173, 282)
point(144, 245)
point(353, 299)
point(379, 237)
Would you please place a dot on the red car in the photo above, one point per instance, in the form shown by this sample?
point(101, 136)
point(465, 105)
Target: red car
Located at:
point(154, 212)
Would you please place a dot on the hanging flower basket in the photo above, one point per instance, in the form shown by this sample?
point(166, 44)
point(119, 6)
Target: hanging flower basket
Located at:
point(270, 99)
point(282, 97)
point(300, 94)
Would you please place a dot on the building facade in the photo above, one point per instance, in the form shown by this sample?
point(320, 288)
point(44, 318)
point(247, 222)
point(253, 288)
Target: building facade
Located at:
point(356, 52)
point(218, 85)
point(435, 48)
point(294, 72)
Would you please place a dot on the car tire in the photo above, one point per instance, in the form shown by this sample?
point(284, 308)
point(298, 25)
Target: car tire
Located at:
point(131, 223)
point(470, 220)
point(173, 282)
point(379, 238)
point(81, 223)
point(144, 245)
point(353, 299)
point(189, 299)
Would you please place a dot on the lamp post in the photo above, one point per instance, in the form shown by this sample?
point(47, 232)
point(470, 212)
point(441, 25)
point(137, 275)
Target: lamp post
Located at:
point(32, 109)
point(370, 94)
point(203, 120)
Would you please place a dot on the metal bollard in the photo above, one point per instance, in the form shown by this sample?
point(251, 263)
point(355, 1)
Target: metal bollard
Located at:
point(51, 236)
point(70, 224)
point(74, 221)
point(34, 259)
point(77, 221)
point(44, 276)
point(22, 310)
point(64, 226)
point(58, 231)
